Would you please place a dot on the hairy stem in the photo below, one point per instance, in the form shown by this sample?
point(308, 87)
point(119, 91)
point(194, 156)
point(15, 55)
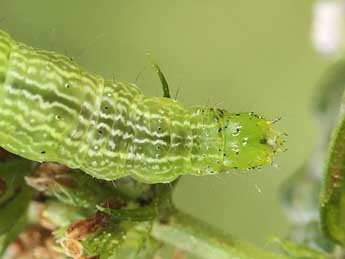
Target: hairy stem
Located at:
point(199, 239)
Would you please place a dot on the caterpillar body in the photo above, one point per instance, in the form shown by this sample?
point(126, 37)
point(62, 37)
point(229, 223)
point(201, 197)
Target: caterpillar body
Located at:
point(53, 110)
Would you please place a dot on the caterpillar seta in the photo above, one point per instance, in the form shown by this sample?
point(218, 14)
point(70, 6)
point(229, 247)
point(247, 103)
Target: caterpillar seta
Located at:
point(53, 110)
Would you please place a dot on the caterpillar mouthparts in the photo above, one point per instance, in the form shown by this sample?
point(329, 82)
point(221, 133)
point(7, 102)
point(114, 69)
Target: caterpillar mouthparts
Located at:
point(250, 141)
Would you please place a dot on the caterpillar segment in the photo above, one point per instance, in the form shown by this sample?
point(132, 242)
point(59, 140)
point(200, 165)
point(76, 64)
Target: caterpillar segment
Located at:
point(53, 110)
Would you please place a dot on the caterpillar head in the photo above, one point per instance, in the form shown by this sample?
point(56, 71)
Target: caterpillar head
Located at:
point(249, 141)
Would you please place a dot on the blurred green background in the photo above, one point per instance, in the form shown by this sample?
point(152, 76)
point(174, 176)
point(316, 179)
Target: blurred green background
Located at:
point(240, 55)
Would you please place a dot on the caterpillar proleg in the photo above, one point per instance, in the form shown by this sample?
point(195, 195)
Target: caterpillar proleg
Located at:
point(53, 110)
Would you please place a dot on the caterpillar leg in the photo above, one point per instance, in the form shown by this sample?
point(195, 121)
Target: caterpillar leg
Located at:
point(151, 177)
point(165, 85)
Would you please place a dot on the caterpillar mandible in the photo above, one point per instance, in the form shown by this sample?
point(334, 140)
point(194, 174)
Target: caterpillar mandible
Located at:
point(53, 110)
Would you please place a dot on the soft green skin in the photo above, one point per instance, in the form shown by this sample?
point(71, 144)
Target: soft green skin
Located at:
point(53, 110)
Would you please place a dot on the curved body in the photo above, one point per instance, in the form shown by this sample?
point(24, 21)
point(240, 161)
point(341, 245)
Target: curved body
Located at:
point(53, 110)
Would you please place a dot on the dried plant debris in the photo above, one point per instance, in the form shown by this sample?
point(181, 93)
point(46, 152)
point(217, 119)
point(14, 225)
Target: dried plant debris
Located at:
point(35, 242)
point(72, 187)
point(99, 235)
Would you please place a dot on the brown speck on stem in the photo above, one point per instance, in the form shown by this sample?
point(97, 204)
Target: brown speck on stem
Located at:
point(81, 228)
point(78, 230)
point(114, 203)
point(179, 254)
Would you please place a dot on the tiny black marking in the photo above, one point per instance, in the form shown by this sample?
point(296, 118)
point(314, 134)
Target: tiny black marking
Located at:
point(263, 141)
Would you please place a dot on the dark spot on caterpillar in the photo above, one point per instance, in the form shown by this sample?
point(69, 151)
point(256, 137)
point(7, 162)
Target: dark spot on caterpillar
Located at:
point(106, 107)
point(217, 161)
point(219, 130)
point(237, 153)
point(255, 115)
point(263, 141)
point(67, 85)
point(224, 154)
point(159, 128)
point(235, 167)
point(237, 114)
point(157, 147)
point(100, 132)
point(43, 152)
point(219, 150)
point(58, 117)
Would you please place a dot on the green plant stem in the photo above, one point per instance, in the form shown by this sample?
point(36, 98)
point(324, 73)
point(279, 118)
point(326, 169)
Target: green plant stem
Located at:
point(332, 205)
point(181, 231)
point(199, 239)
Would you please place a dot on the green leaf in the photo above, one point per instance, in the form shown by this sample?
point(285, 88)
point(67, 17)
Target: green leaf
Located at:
point(72, 187)
point(13, 216)
point(332, 201)
point(78, 189)
point(121, 240)
point(330, 88)
point(135, 214)
point(14, 199)
point(12, 172)
point(311, 235)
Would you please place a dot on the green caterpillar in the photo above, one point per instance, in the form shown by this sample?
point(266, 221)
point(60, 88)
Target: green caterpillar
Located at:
point(53, 110)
